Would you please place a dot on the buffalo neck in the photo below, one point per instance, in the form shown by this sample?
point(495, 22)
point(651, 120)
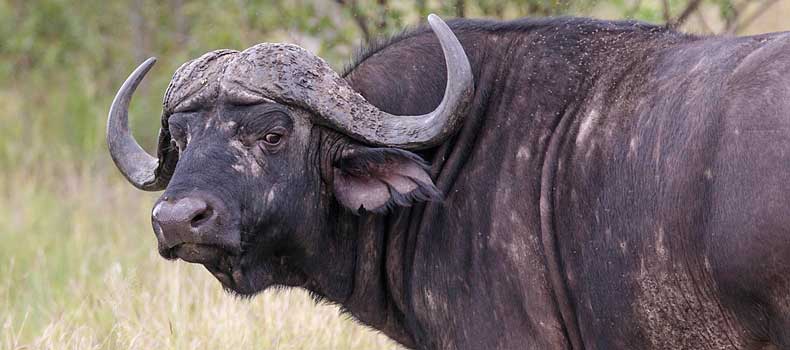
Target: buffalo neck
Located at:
point(534, 73)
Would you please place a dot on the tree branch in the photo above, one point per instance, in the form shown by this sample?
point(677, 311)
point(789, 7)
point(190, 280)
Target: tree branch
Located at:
point(731, 20)
point(422, 8)
point(634, 9)
point(756, 14)
point(460, 8)
point(359, 17)
point(690, 8)
point(740, 7)
point(383, 14)
point(704, 23)
point(665, 8)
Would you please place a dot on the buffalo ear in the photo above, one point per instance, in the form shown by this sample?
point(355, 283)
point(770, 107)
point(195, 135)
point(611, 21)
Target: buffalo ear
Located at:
point(377, 179)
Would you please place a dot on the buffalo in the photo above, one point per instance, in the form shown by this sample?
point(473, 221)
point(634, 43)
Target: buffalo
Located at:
point(532, 184)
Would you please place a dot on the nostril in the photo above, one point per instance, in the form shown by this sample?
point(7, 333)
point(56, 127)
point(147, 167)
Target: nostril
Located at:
point(202, 217)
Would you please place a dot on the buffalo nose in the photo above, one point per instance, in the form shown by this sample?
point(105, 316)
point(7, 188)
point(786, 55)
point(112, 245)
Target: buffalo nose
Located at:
point(183, 221)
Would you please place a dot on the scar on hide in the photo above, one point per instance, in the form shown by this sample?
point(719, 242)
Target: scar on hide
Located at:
point(229, 125)
point(523, 153)
point(245, 161)
point(632, 146)
point(189, 135)
point(270, 196)
point(585, 128)
point(661, 248)
point(673, 309)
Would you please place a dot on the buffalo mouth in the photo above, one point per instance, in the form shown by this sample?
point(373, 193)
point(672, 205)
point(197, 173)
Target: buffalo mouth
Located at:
point(243, 273)
point(197, 253)
point(223, 264)
point(229, 272)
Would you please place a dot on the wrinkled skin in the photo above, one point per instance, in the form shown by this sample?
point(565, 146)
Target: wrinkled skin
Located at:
point(288, 206)
point(247, 176)
point(615, 186)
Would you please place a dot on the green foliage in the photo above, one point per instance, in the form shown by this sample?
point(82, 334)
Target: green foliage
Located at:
point(61, 60)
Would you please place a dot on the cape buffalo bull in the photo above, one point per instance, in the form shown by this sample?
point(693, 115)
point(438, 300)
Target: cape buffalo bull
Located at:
point(581, 184)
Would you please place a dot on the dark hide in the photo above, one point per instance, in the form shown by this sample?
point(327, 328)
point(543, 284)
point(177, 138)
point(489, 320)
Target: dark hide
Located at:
point(656, 219)
point(616, 185)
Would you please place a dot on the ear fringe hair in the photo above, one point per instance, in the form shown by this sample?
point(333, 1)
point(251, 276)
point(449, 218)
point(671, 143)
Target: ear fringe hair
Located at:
point(364, 161)
point(360, 162)
point(423, 193)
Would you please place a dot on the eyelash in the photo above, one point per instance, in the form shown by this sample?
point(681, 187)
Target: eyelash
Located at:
point(271, 139)
point(276, 138)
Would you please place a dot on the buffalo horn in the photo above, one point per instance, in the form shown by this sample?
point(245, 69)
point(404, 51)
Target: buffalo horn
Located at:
point(417, 131)
point(135, 164)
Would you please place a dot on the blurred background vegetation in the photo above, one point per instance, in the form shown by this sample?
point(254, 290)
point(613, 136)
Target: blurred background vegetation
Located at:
point(78, 267)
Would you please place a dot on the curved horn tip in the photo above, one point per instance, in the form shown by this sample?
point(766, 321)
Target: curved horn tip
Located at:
point(142, 70)
point(415, 132)
point(148, 63)
point(132, 160)
point(437, 23)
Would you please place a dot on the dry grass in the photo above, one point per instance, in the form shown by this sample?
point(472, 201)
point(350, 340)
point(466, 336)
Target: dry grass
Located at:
point(79, 270)
point(78, 267)
point(78, 261)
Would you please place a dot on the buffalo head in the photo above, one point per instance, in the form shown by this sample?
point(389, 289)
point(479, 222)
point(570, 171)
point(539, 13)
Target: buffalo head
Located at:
point(259, 150)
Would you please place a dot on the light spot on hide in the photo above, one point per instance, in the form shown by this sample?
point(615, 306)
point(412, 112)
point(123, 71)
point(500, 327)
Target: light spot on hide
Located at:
point(245, 161)
point(585, 128)
point(661, 248)
point(700, 64)
point(523, 153)
point(209, 123)
point(229, 125)
point(514, 217)
point(708, 173)
point(674, 316)
point(676, 305)
point(429, 299)
point(632, 146)
point(237, 145)
point(270, 197)
point(433, 303)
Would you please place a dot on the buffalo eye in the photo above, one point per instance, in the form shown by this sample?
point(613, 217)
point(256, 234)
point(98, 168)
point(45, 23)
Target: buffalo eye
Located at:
point(272, 138)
